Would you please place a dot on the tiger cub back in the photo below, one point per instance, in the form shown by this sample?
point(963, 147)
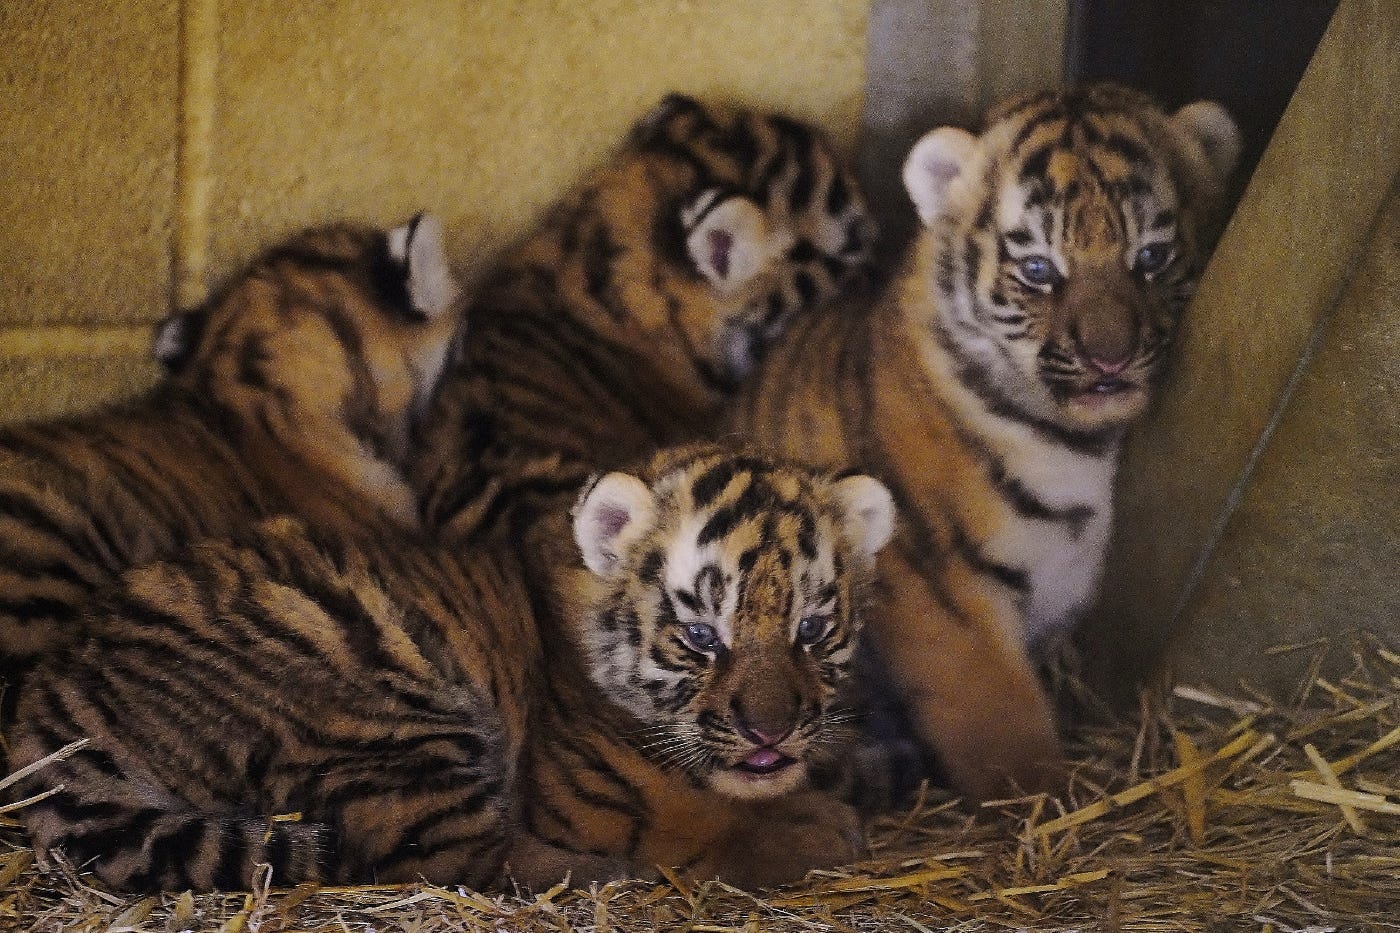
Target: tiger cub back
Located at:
point(423, 721)
point(279, 672)
point(292, 391)
point(991, 386)
point(625, 321)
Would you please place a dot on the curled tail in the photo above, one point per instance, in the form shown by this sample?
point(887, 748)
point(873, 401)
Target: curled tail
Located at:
point(136, 847)
point(132, 835)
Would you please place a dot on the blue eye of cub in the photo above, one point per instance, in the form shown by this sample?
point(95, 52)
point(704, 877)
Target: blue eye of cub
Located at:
point(810, 629)
point(1038, 270)
point(701, 637)
point(1153, 258)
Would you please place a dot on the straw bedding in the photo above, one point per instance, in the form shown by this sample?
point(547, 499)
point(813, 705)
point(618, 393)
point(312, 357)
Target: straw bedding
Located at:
point(1206, 812)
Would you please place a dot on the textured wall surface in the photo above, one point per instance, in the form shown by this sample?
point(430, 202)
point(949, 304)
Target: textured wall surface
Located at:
point(487, 111)
point(88, 128)
point(1271, 288)
point(935, 62)
point(1311, 558)
point(204, 130)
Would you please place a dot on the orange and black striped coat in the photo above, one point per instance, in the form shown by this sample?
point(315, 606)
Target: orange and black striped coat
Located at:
point(990, 386)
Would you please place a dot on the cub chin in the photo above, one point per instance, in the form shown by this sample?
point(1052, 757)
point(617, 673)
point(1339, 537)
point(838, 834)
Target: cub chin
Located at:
point(722, 609)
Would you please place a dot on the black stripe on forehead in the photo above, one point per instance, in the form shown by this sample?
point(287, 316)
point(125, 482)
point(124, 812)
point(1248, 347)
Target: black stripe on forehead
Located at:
point(755, 497)
point(806, 534)
point(1049, 108)
point(688, 599)
point(709, 484)
point(738, 142)
point(709, 586)
point(674, 110)
point(806, 286)
point(800, 197)
point(649, 570)
point(1035, 165)
point(776, 307)
point(762, 499)
point(1130, 149)
point(838, 194)
point(761, 187)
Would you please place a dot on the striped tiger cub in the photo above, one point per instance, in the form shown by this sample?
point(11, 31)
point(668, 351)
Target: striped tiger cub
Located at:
point(697, 648)
point(693, 633)
point(625, 321)
point(290, 392)
point(284, 671)
point(991, 386)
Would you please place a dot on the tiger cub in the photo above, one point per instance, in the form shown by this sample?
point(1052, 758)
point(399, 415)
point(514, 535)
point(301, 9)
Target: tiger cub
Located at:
point(696, 659)
point(401, 702)
point(283, 671)
point(290, 392)
point(991, 387)
point(625, 321)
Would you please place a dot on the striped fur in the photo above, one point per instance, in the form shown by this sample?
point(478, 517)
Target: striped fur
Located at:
point(404, 704)
point(990, 388)
point(291, 391)
point(624, 322)
point(286, 673)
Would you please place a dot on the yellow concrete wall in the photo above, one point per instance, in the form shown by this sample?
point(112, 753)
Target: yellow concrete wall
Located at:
point(291, 114)
point(87, 170)
point(1270, 291)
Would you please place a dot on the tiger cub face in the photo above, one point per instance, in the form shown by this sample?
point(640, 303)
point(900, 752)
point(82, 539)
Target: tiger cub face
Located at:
point(330, 345)
point(723, 608)
point(1063, 242)
point(748, 217)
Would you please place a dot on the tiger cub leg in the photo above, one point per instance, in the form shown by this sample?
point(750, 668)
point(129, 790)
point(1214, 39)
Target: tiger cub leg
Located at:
point(538, 864)
point(602, 805)
point(956, 659)
point(414, 808)
point(779, 841)
point(747, 843)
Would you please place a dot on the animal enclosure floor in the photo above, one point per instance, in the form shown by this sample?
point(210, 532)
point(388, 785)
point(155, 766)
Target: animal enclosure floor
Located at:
point(1206, 813)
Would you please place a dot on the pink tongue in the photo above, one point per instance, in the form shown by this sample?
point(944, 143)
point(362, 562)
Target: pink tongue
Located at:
point(763, 758)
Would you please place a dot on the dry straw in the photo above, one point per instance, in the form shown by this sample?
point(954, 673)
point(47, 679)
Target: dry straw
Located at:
point(1208, 813)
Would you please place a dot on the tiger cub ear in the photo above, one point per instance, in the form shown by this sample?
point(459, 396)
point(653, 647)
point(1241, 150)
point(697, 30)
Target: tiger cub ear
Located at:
point(867, 510)
point(417, 247)
point(1211, 125)
point(933, 163)
point(609, 516)
point(177, 336)
point(729, 238)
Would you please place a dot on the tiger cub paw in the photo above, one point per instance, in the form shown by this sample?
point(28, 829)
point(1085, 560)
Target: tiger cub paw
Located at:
point(538, 866)
point(781, 842)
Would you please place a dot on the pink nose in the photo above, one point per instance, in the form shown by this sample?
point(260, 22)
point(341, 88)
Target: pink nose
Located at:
point(1108, 367)
point(770, 736)
point(768, 730)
